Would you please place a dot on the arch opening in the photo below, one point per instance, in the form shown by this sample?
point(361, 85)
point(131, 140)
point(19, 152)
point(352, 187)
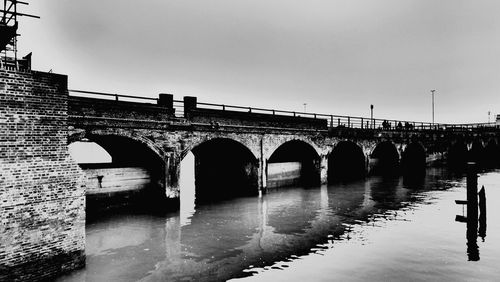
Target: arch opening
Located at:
point(384, 159)
point(346, 162)
point(293, 163)
point(457, 155)
point(119, 171)
point(492, 154)
point(477, 153)
point(413, 159)
point(224, 169)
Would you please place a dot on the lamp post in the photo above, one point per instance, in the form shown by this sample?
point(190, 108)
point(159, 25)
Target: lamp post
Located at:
point(489, 113)
point(371, 116)
point(305, 105)
point(432, 92)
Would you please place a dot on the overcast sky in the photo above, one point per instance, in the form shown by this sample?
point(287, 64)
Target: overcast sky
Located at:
point(337, 56)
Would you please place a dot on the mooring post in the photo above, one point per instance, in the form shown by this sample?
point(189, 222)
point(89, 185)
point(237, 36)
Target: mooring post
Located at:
point(471, 190)
point(472, 224)
point(482, 213)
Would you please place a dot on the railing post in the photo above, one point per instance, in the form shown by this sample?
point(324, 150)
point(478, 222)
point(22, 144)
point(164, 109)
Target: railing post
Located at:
point(361, 123)
point(249, 109)
point(331, 120)
point(293, 113)
point(274, 112)
point(190, 103)
point(338, 122)
point(116, 97)
point(223, 107)
point(348, 121)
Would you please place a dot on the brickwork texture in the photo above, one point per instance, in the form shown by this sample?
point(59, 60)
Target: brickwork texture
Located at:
point(42, 196)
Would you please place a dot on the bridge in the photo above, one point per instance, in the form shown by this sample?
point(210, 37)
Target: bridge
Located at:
point(238, 151)
point(262, 148)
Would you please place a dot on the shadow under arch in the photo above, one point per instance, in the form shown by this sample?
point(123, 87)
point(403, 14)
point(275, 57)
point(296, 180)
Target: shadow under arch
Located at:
point(224, 168)
point(346, 162)
point(384, 159)
point(477, 153)
point(413, 159)
point(294, 162)
point(457, 155)
point(134, 177)
point(492, 154)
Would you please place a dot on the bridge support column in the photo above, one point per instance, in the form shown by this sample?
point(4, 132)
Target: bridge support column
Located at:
point(172, 174)
point(262, 175)
point(323, 169)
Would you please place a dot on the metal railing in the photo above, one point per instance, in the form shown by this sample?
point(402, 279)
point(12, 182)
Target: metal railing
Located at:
point(333, 121)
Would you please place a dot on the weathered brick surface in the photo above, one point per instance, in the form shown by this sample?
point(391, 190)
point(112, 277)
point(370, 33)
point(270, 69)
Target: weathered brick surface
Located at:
point(42, 197)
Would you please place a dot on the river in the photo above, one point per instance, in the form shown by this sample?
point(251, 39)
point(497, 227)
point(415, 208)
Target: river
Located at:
point(376, 229)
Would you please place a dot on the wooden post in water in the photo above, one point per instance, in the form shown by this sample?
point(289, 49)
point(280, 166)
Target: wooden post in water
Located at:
point(472, 248)
point(482, 213)
point(471, 191)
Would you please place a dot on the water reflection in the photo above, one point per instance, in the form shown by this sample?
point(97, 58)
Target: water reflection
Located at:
point(472, 222)
point(215, 242)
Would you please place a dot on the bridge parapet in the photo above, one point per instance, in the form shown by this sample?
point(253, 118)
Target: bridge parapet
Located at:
point(191, 111)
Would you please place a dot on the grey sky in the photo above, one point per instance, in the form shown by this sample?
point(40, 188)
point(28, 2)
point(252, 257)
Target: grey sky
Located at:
point(337, 56)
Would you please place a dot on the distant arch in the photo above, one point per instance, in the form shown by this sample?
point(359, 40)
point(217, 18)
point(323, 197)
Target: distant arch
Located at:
point(346, 162)
point(476, 152)
point(293, 162)
point(457, 154)
point(492, 153)
point(413, 158)
point(385, 159)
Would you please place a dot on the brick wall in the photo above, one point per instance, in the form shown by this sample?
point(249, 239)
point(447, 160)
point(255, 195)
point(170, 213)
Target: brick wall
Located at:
point(42, 198)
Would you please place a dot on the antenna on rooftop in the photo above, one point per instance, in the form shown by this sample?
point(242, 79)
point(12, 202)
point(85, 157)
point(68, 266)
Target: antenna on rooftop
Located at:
point(8, 35)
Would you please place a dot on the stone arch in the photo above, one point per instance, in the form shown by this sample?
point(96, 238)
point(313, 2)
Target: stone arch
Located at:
point(492, 153)
point(195, 142)
point(271, 147)
point(293, 162)
point(135, 176)
point(224, 168)
point(457, 154)
point(96, 135)
point(384, 159)
point(346, 161)
point(413, 158)
point(477, 152)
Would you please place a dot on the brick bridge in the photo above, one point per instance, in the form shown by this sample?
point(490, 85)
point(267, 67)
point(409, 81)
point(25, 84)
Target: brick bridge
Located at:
point(238, 150)
point(263, 148)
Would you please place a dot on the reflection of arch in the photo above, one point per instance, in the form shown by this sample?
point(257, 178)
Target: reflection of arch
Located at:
point(385, 157)
point(224, 168)
point(346, 161)
point(293, 162)
point(457, 154)
point(413, 158)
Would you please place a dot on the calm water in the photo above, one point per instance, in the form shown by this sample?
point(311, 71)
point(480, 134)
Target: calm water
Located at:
point(373, 230)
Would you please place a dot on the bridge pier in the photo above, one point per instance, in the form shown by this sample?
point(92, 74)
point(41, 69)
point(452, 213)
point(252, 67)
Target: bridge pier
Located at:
point(172, 174)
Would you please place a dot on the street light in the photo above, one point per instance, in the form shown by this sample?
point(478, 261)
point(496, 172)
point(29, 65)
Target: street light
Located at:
point(371, 115)
point(432, 91)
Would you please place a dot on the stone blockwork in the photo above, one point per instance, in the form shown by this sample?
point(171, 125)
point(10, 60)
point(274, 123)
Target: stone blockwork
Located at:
point(171, 137)
point(42, 197)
